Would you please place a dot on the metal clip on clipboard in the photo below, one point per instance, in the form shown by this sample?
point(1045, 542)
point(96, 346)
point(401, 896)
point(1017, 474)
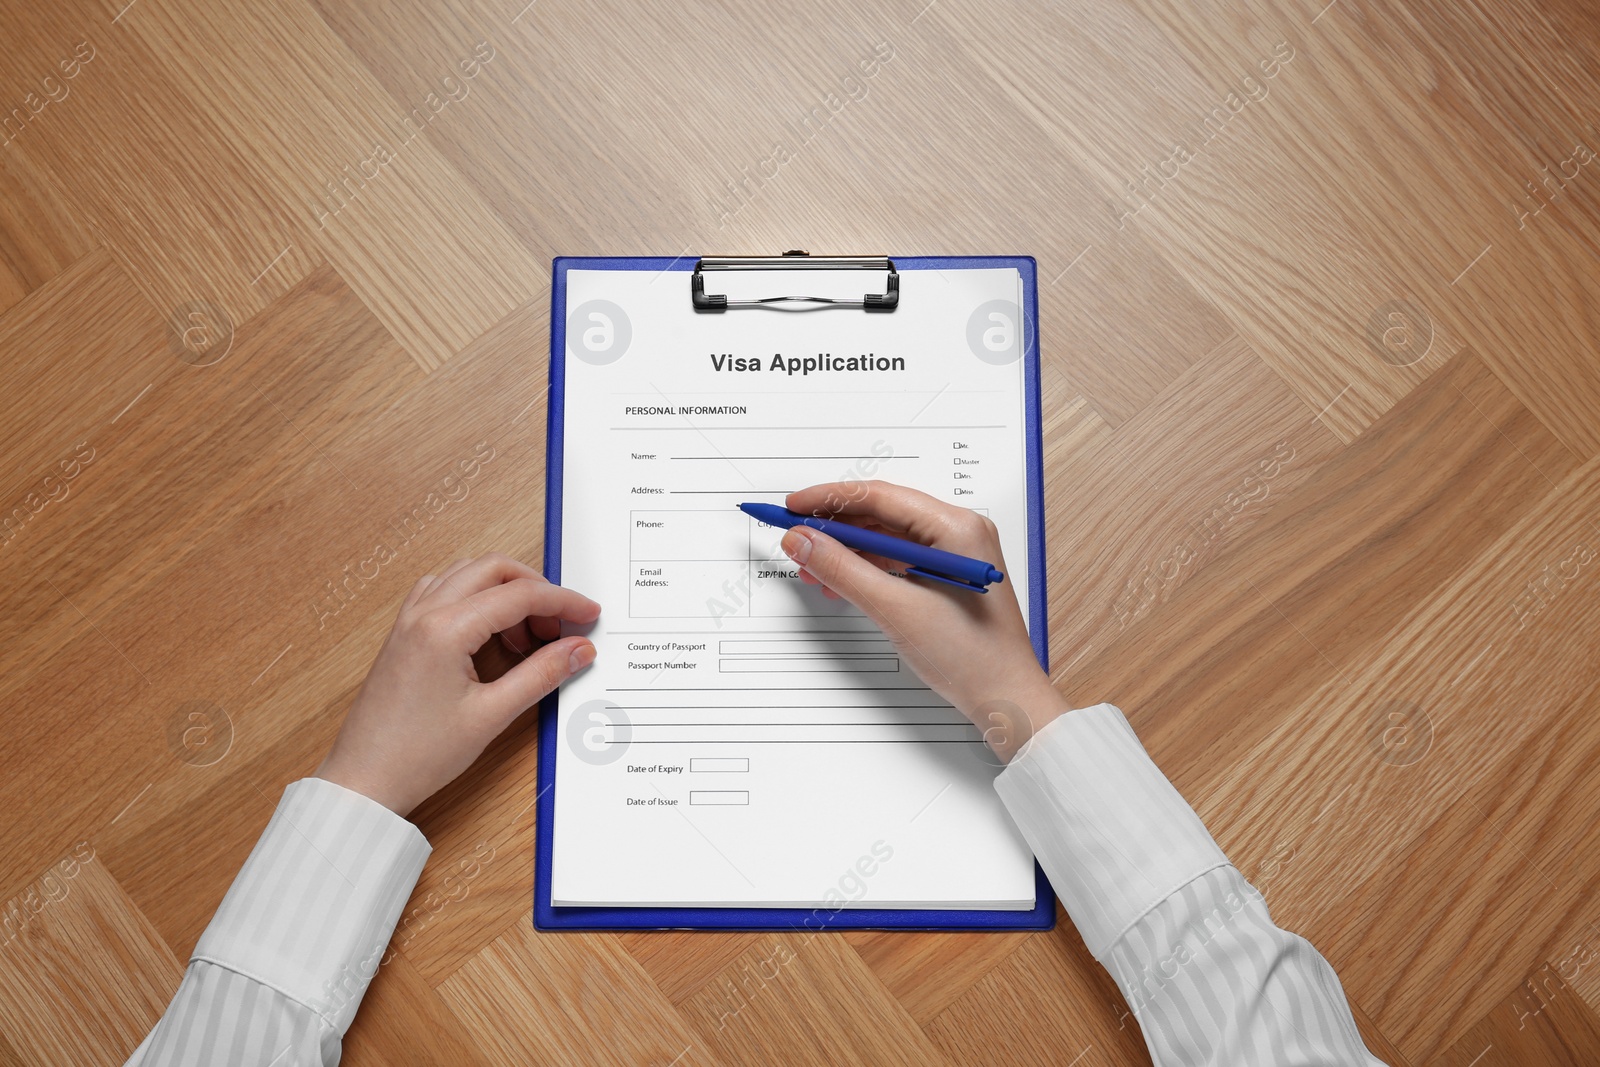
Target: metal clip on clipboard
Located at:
point(887, 300)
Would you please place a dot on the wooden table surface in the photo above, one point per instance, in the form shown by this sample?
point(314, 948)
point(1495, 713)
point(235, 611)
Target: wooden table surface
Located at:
point(1318, 290)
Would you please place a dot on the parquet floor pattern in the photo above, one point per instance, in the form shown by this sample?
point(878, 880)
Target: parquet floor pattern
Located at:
point(1318, 286)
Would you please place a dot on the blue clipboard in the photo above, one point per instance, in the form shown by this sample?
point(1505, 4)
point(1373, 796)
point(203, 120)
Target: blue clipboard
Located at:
point(548, 917)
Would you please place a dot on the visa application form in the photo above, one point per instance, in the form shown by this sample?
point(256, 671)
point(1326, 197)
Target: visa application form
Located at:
point(741, 740)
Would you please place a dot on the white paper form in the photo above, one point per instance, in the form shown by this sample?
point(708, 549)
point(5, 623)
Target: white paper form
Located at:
point(742, 740)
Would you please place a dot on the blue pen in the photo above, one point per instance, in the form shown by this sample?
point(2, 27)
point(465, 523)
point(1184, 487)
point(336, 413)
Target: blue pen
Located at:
point(962, 572)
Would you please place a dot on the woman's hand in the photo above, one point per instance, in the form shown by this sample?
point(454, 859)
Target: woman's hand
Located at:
point(422, 716)
point(971, 649)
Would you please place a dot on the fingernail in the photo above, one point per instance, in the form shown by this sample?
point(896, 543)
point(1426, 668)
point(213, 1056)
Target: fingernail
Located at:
point(797, 545)
point(581, 657)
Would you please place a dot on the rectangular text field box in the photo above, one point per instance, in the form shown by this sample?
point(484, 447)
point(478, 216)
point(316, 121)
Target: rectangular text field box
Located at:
point(789, 733)
point(811, 665)
point(676, 589)
point(800, 645)
point(718, 796)
point(719, 765)
point(689, 535)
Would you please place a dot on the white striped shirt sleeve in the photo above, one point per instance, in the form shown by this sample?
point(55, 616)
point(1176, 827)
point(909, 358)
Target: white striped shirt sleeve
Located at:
point(277, 976)
point(1208, 975)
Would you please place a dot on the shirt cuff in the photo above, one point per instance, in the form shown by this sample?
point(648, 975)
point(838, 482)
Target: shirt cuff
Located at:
point(1112, 834)
point(315, 904)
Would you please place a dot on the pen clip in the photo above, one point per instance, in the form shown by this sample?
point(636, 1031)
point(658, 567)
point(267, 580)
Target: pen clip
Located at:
point(974, 586)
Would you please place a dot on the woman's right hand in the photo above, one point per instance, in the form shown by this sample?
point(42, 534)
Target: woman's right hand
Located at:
point(971, 649)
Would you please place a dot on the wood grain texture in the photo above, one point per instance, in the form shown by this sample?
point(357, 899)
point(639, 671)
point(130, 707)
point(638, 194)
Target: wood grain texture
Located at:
point(758, 183)
point(927, 974)
point(1310, 588)
point(1454, 688)
point(1376, 1040)
point(82, 976)
point(1151, 504)
point(567, 998)
point(40, 236)
point(1321, 426)
point(141, 167)
point(1013, 1015)
point(411, 1024)
point(357, 174)
point(1501, 889)
point(1541, 1022)
point(1447, 199)
point(808, 997)
point(1233, 197)
point(130, 541)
